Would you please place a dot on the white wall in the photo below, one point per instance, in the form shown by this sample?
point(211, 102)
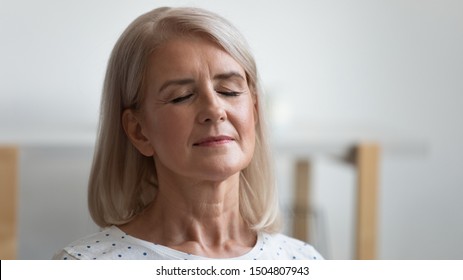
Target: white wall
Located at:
point(389, 66)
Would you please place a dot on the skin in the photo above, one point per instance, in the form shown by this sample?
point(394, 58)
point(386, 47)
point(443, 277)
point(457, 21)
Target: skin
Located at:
point(198, 123)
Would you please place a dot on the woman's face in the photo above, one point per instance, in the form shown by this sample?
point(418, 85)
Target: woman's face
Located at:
point(199, 114)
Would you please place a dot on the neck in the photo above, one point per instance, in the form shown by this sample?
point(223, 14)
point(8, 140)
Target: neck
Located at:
point(201, 218)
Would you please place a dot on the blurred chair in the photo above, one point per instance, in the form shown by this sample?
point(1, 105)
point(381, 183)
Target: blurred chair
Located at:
point(8, 201)
point(365, 157)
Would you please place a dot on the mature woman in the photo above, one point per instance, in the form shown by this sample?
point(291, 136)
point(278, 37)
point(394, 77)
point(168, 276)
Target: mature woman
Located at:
point(181, 168)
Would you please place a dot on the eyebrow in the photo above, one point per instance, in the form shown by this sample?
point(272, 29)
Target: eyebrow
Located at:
point(229, 75)
point(178, 82)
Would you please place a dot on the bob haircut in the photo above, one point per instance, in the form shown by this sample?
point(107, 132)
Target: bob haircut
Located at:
point(122, 180)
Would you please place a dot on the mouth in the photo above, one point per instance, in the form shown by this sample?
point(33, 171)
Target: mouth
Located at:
point(214, 141)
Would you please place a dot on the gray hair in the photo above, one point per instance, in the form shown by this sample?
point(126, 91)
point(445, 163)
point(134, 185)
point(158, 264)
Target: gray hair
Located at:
point(123, 181)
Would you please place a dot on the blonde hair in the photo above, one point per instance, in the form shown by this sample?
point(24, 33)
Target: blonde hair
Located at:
point(123, 181)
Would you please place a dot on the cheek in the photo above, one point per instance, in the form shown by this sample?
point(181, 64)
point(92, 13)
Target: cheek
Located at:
point(169, 130)
point(246, 117)
point(249, 134)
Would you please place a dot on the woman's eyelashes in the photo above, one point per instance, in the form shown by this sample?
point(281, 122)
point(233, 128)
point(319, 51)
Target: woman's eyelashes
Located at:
point(188, 96)
point(230, 93)
point(181, 98)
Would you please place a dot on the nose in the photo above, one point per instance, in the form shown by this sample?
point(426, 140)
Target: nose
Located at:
point(212, 108)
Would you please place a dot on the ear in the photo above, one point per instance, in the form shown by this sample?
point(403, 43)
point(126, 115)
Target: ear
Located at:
point(134, 130)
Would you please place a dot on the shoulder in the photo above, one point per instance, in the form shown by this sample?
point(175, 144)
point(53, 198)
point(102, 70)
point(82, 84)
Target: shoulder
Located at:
point(110, 243)
point(281, 246)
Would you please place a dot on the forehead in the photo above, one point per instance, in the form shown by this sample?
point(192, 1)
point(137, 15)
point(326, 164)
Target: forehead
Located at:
point(187, 55)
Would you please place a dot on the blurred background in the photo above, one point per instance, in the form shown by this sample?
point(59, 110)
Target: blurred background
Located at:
point(335, 73)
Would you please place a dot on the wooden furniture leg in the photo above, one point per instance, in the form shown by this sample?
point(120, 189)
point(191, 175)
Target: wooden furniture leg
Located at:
point(8, 188)
point(367, 162)
point(302, 201)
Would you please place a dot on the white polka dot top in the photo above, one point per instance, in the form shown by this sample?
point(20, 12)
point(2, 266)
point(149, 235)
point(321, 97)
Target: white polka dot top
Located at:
point(112, 244)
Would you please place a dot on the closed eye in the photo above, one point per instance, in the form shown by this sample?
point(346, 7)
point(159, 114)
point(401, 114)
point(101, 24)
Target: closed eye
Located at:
point(230, 93)
point(181, 98)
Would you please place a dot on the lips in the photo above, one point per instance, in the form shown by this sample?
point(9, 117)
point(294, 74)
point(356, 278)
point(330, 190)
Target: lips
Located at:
point(214, 140)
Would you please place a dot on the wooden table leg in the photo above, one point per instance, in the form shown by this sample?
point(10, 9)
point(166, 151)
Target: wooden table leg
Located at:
point(367, 162)
point(302, 201)
point(8, 189)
